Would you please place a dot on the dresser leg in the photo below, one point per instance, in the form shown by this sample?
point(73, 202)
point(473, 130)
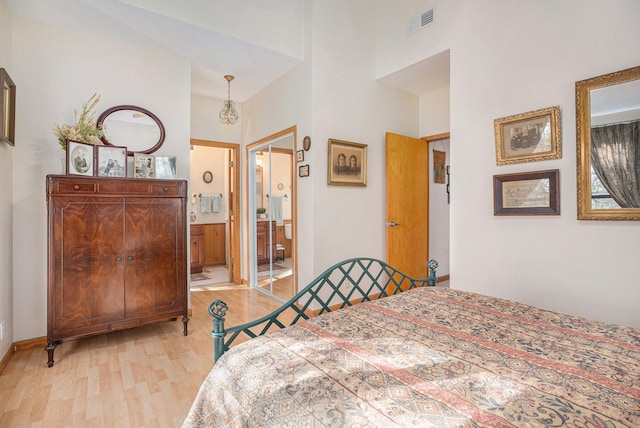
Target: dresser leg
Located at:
point(51, 346)
point(185, 320)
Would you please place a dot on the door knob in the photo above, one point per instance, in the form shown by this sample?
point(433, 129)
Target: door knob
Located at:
point(392, 224)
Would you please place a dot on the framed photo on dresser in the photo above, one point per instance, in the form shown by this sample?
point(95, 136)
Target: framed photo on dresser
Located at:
point(80, 157)
point(111, 161)
point(165, 167)
point(143, 166)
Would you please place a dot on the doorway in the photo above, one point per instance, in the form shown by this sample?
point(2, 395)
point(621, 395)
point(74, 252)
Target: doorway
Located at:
point(213, 206)
point(418, 203)
point(271, 196)
point(407, 196)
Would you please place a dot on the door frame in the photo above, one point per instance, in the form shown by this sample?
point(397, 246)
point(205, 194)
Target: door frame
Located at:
point(248, 216)
point(234, 258)
point(434, 139)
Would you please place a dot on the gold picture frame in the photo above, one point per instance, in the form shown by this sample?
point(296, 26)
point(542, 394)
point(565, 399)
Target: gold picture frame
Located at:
point(7, 108)
point(527, 193)
point(607, 100)
point(347, 163)
point(528, 137)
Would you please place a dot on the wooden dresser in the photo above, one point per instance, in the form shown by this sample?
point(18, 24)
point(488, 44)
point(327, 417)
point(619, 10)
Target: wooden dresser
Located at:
point(117, 255)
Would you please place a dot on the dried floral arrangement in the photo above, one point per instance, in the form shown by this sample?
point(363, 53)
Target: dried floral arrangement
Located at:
point(84, 130)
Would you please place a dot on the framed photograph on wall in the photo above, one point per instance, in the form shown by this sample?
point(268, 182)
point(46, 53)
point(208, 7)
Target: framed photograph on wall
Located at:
point(7, 108)
point(165, 167)
point(111, 161)
point(80, 158)
point(300, 156)
point(303, 171)
point(347, 163)
point(527, 193)
point(143, 166)
point(528, 137)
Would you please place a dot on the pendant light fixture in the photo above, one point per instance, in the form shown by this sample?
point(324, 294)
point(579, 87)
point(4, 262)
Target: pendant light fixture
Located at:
point(228, 115)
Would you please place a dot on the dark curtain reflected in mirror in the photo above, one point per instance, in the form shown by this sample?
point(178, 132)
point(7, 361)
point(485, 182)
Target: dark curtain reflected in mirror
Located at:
point(616, 161)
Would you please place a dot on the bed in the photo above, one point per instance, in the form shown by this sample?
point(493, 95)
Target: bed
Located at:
point(425, 356)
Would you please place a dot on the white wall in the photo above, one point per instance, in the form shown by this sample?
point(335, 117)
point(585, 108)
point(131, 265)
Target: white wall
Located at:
point(6, 198)
point(349, 104)
point(57, 71)
point(513, 57)
point(284, 103)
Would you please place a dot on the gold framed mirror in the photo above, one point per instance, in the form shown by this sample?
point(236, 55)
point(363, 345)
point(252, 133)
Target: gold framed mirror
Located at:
point(608, 146)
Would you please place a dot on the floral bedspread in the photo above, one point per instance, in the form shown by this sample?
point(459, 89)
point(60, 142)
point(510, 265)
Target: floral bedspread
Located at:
point(431, 357)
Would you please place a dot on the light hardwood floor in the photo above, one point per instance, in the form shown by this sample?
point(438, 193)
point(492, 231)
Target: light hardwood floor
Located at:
point(145, 377)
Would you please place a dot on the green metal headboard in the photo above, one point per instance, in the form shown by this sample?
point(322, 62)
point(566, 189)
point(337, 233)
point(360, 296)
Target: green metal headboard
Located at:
point(344, 284)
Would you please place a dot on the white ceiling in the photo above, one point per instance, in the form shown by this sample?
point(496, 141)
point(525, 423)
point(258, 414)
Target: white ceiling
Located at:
point(254, 40)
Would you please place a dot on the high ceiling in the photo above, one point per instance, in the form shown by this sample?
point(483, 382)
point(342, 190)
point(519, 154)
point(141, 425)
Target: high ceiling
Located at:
point(254, 40)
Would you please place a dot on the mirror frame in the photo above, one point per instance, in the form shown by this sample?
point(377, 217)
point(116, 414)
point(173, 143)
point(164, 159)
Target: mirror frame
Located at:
point(106, 114)
point(583, 143)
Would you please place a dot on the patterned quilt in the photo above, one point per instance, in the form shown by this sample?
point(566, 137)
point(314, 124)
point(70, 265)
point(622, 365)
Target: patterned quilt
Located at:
point(430, 357)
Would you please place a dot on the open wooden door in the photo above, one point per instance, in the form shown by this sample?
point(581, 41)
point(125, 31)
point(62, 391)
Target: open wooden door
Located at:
point(407, 168)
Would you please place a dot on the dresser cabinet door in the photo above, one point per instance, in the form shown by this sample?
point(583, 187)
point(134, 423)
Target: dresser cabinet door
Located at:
point(154, 245)
point(88, 248)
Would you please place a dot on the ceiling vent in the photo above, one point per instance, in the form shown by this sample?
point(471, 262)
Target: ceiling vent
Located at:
point(418, 22)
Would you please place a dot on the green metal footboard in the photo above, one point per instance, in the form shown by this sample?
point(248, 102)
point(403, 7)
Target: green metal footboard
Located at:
point(344, 284)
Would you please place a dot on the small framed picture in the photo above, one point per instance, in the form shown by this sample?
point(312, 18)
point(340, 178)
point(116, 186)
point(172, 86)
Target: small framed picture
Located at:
point(111, 161)
point(527, 193)
point(528, 137)
point(7, 108)
point(165, 167)
point(80, 158)
point(143, 166)
point(303, 171)
point(347, 163)
point(300, 156)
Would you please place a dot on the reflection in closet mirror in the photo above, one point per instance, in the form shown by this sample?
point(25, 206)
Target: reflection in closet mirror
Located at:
point(272, 264)
point(259, 193)
point(608, 155)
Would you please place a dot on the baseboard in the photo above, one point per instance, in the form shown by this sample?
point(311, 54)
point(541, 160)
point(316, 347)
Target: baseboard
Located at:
point(6, 358)
point(38, 342)
point(23, 345)
point(442, 278)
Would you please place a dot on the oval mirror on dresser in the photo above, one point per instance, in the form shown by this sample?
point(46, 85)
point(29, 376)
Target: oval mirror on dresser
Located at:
point(135, 128)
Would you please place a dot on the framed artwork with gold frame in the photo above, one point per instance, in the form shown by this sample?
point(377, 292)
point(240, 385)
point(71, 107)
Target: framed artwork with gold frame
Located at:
point(7, 108)
point(528, 137)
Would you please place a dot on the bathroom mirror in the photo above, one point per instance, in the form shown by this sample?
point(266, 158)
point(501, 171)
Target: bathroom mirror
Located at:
point(136, 128)
point(608, 150)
